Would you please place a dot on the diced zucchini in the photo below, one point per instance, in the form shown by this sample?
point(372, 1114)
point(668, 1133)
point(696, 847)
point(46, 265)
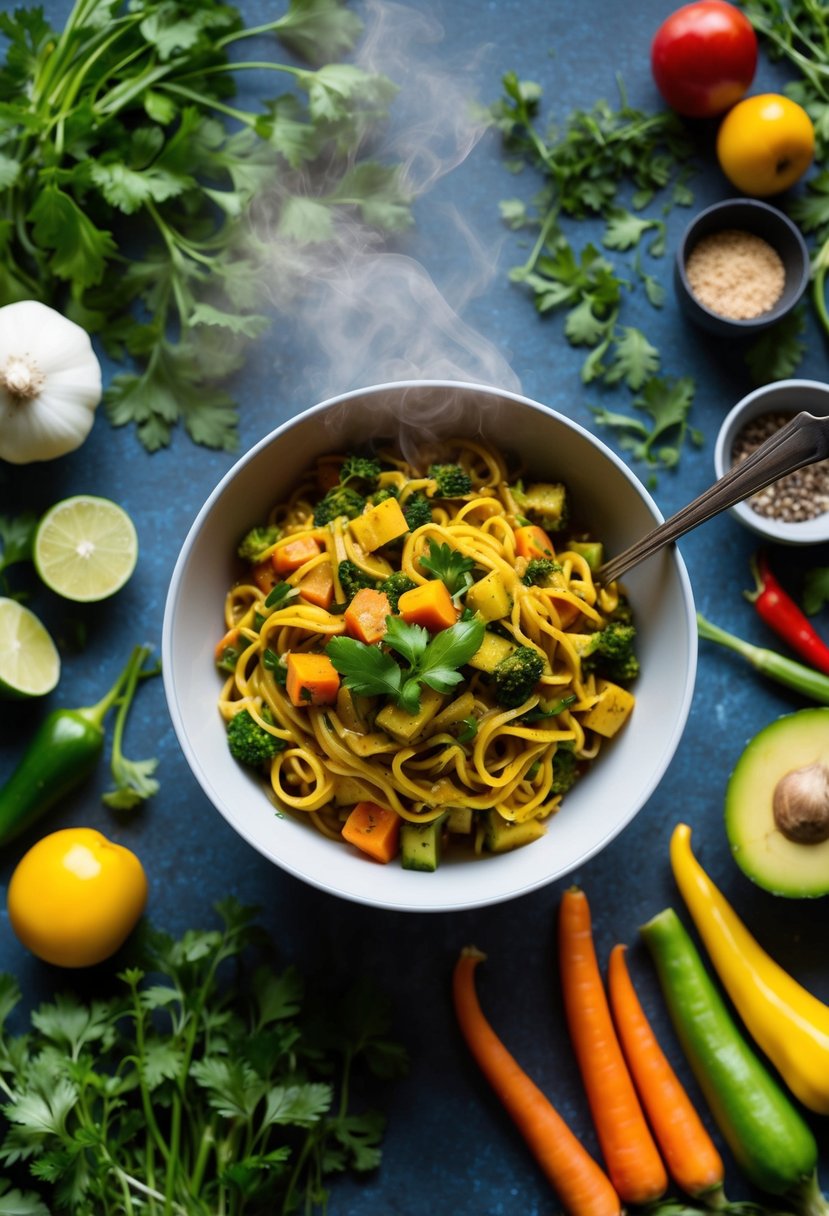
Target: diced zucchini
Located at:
point(490, 652)
point(611, 711)
point(459, 820)
point(372, 744)
point(348, 791)
point(501, 835)
point(456, 711)
point(546, 502)
point(405, 727)
point(490, 597)
point(421, 843)
point(379, 525)
point(591, 550)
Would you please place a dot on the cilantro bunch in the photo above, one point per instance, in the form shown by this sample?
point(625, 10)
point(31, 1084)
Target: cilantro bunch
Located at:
point(201, 1088)
point(606, 165)
point(128, 176)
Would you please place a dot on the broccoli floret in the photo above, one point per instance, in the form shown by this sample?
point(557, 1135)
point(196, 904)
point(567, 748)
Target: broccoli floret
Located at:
point(565, 770)
point(611, 652)
point(341, 500)
point(545, 502)
point(539, 570)
point(379, 496)
point(360, 468)
point(257, 541)
point(452, 481)
point(248, 742)
point(353, 579)
point(517, 675)
point(395, 585)
point(417, 511)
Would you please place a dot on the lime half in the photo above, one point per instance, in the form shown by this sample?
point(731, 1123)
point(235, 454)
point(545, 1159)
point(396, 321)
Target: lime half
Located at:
point(85, 548)
point(29, 660)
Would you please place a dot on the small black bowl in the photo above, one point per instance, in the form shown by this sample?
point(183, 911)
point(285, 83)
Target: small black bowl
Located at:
point(764, 221)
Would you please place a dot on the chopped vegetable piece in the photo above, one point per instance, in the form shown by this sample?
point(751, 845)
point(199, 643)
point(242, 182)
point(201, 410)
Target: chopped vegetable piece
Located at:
point(452, 480)
point(312, 679)
point(294, 553)
point(544, 501)
point(490, 597)
point(533, 543)
point(365, 616)
point(264, 576)
point(429, 605)
point(611, 711)
point(373, 829)
point(379, 525)
point(317, 586)
point(227, 643)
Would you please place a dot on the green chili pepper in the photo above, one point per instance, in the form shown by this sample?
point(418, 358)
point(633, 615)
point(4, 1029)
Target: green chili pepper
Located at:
point(63, 752)
point(769, 1138)
point(803, 679)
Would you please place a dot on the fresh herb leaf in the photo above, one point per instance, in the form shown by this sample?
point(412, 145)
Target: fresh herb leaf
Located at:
point(777, 354)
point(366, 670)
point(450, 566)
point(658, 442)
point(815, 589)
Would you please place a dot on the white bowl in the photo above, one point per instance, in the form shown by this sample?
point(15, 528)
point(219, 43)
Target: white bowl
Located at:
point(785, 396)
point(618, 510)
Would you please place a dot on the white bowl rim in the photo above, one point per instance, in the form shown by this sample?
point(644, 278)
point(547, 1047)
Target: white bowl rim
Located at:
point(497, 894)
point(808, 532)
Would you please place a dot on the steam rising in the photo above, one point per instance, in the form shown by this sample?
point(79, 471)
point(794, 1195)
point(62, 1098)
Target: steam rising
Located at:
point(374, 313)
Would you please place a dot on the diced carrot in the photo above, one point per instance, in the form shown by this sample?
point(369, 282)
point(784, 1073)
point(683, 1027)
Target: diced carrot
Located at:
point(533, 542)
point(264, 575)
point(228, 642)
point(312, 679)
point(365, 616)
point(317, 587)
point(292, 554)
point(373, 829)
point(430, 605)
point(567, 611)
point(328, 474)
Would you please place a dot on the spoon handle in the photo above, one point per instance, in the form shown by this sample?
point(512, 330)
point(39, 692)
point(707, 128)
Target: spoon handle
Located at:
point(802, 441)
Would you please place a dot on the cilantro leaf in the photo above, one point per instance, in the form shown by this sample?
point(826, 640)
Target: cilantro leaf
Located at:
point(777, 355)
point(659, 442)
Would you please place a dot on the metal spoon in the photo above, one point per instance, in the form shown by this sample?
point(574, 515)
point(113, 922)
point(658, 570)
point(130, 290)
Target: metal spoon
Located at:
point(802, 441)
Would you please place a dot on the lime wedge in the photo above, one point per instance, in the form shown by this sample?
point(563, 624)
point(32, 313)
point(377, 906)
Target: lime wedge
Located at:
point(85, 548)
point(29, 660)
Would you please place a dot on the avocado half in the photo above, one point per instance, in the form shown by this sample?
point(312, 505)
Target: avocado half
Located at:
point(796, 743)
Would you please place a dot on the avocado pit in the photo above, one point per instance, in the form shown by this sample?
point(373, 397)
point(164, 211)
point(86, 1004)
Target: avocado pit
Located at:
point(800, 804)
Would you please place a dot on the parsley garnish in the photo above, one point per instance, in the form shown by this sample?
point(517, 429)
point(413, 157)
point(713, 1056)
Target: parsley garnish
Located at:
point(659, 442)
point(450, 566)
point(199, 1086)
point(372, 671)
point(130, 198)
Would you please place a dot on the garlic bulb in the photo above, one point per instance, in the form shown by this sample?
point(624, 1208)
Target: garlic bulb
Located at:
point(50, 383)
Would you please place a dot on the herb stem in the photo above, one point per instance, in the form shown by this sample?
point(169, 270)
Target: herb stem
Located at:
point(243, 116)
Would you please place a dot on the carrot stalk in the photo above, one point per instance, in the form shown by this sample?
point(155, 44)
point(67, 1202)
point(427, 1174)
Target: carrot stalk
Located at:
point(580, 1183)
point(629, 1150)
point(689, 1152)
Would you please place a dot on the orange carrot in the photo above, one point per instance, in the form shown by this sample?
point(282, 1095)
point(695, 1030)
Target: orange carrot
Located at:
point(566, 609)
point(580, 1183)
point(690, 1154)
point(312, 679)
point(292, 554)
point(317, 586)
point(533, 542)
point(264, 575)
point(227, 642)
point(374, 829)
point(630, 1153)
point(429, 605)
point(365, 616)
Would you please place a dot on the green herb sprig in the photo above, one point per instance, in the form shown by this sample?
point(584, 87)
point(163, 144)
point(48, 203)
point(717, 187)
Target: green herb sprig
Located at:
point(372, 671)
point(205, 1085)
point(590, 165)
point(128, 173)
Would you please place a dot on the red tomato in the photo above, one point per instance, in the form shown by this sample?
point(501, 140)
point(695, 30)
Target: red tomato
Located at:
point(704, 57)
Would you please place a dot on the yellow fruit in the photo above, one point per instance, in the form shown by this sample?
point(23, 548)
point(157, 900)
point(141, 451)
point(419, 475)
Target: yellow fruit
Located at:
point(765, 144)
point(75, 897)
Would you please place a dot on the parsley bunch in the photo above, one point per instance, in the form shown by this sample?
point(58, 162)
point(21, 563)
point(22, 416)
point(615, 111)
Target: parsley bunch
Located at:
point(594, 161)
point(797, 32)
point(201, 1089)
point(128, 176)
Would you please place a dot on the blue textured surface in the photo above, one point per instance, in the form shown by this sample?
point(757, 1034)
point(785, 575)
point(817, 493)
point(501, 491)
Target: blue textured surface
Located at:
point(449, 1147)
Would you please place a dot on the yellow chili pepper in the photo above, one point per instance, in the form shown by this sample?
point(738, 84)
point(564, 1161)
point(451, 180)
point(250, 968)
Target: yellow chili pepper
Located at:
point(785, 1020)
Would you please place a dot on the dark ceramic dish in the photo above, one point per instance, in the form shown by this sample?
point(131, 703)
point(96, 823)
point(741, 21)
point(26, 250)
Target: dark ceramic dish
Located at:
point(764, 221)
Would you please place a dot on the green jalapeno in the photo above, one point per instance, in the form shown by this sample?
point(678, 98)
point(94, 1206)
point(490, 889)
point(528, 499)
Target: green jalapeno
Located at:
point(62, 753)
point(771, 1142)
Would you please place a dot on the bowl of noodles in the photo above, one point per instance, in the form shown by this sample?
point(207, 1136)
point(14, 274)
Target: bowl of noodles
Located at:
point(391, 661)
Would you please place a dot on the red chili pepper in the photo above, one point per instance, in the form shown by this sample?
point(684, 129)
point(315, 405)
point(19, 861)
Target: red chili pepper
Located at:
point(781, 613)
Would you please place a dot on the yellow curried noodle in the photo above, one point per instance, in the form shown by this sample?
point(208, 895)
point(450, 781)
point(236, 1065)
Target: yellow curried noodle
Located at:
point(498, 771)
